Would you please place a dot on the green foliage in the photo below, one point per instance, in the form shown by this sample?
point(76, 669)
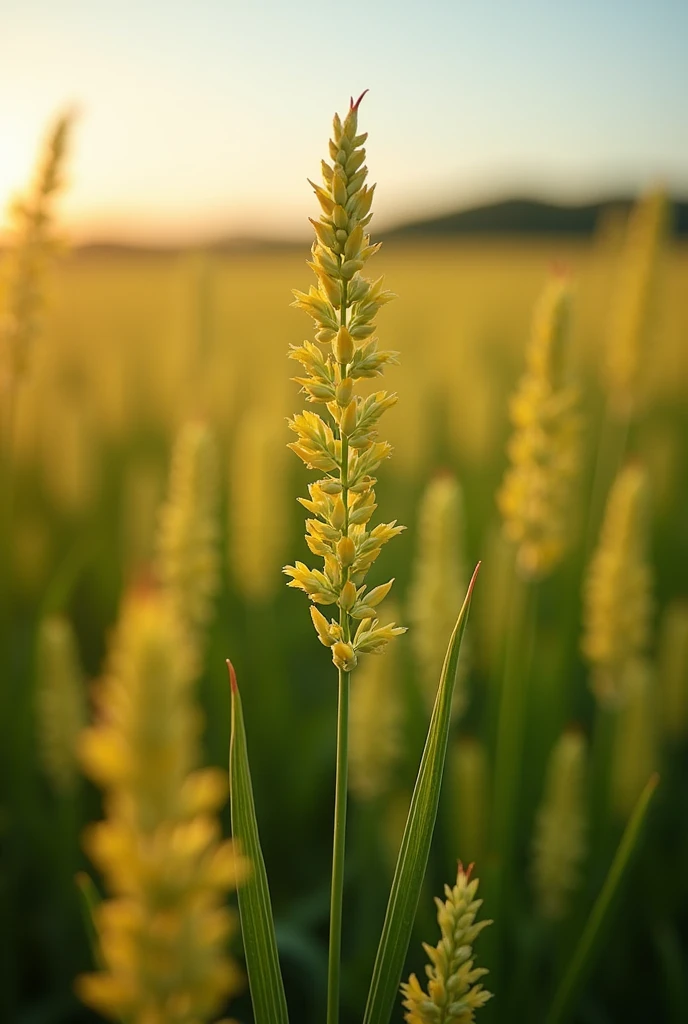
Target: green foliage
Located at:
point(257, 927)
point(415, 844)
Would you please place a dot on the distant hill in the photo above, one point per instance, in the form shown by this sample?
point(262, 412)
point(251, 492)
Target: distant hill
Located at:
point(515, 217)
point(527, 217)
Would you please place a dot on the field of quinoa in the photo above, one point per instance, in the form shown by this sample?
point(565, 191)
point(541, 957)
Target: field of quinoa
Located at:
point(149, 507)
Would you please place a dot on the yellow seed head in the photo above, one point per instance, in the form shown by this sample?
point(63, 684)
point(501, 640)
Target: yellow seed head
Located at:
point(32, 246)
point(343, 305)
point(187, 558)
point(560, 831)
point(163, 931)
point(617, 593)
point(454, 991)
point(438, 584)
point(631, 321)
point(60, 704)
point(536, 492)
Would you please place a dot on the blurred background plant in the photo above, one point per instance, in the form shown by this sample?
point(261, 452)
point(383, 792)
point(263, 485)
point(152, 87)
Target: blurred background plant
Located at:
point(147, 366)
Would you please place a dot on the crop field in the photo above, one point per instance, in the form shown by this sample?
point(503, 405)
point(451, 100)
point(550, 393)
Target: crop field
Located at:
point(154, 406)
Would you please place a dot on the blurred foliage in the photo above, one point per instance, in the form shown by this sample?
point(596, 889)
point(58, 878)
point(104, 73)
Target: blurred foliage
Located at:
point(135, 346)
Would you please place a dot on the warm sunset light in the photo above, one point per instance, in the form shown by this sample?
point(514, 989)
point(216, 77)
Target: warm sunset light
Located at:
point(343, 491)
point(17, 156)
point(192, 122)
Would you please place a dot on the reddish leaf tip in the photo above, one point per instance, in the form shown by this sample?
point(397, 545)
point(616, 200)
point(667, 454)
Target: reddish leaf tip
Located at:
point(355, 105)
point(474, 578)
point(232, 677)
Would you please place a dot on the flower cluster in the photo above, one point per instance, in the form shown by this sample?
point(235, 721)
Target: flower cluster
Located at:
point(439, 585)
point(618, 589)
point(543, 450)
point(33, 245)
point(187, 548)
point(163, 933)
point(60, 703)
point(632, 312)
point(343, 305)
point(560, 834)
point(454, 988)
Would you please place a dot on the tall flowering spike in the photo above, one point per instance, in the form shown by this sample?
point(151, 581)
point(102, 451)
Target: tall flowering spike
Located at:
point(32, 246)
point(454, 989)
point(343, 445)
point(618, 589)
point(375, 726)
point(535, 495)
point(187, 556)
point(163, 932)
point(439, 584)
point(560, 831)
point(632, 309)
point(60, 704)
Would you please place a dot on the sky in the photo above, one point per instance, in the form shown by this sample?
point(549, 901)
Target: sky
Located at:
point(202, 120)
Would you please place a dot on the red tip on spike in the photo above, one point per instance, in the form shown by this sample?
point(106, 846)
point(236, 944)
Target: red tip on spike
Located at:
point(354, 106)
point(232, 677)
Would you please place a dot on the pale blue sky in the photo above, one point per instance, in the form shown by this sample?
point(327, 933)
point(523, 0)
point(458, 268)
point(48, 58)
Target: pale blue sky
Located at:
point(205, 118)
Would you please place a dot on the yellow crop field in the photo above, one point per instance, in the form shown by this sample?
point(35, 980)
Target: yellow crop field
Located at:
point(149, 508)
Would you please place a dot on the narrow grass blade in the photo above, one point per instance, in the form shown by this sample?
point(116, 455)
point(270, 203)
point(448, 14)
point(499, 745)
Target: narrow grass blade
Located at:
point(583, 959)
point(257, 926)
point(89, 900)
point(415, 845)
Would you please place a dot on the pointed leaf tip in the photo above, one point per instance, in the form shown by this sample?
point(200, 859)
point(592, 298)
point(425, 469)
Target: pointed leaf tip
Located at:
point(473, 579)
point(355, 105)
point(232, 677)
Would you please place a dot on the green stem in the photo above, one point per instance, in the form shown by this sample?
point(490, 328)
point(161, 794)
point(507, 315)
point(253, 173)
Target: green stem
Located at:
point(341, 783)
point(334, 956)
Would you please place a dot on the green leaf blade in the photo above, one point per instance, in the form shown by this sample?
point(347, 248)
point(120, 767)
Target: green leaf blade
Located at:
point(415, 845)
point(255, 911)
point(583, 959)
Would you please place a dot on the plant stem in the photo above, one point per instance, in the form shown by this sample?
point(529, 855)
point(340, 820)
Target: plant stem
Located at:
point(334, 956)
point(341, 783)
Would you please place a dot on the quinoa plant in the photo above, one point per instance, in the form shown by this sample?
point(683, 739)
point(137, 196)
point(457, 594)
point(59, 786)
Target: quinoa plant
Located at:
point(343, 444)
